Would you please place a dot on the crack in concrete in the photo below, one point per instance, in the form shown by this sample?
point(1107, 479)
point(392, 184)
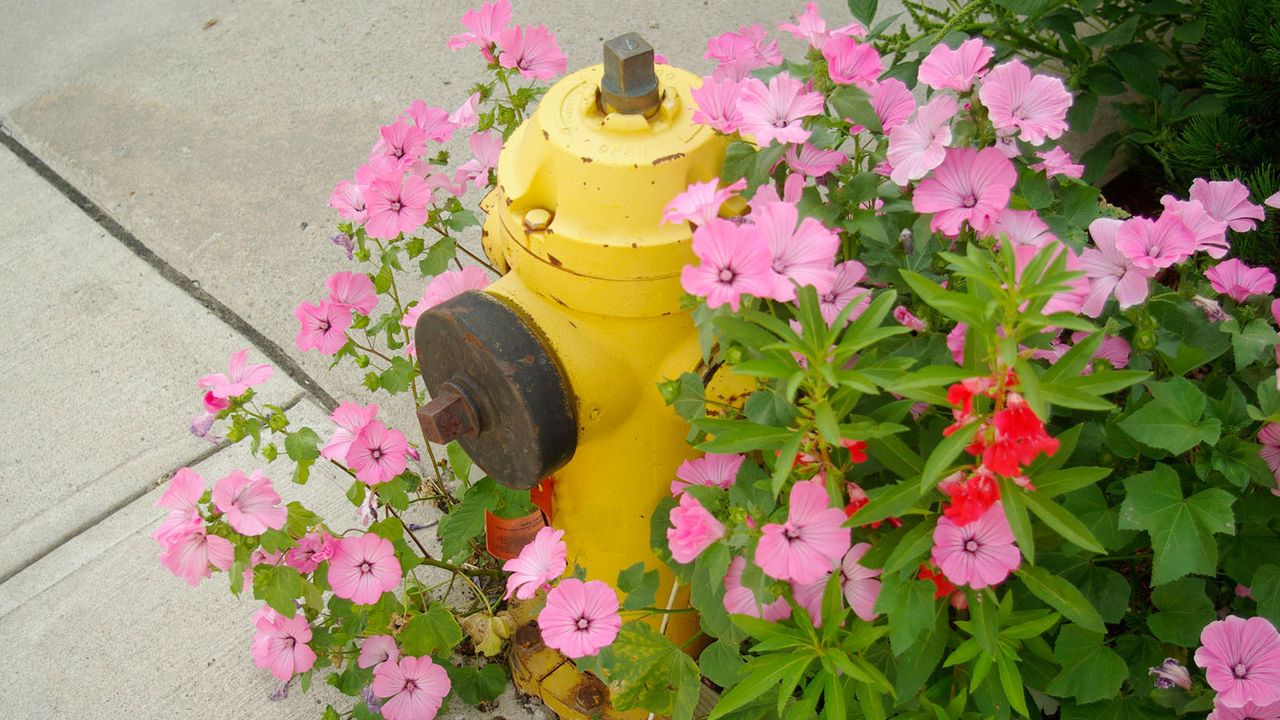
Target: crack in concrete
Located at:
point(177, 278)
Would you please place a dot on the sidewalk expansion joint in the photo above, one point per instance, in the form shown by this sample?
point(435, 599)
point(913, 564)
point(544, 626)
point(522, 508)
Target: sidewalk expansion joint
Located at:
point(264, 344)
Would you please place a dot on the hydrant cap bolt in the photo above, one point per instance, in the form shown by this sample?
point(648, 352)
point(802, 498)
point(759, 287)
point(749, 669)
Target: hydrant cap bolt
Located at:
point(629, 85)
point(449, 416)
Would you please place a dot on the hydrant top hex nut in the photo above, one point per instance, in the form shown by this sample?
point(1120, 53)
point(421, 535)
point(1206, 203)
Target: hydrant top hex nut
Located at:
point(629, 85)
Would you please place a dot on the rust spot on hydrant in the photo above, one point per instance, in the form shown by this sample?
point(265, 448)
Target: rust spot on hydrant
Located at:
point(590, 694)
point(668, 158)
point(528, 637)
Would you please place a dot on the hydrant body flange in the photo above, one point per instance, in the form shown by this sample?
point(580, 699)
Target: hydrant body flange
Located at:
point(576, 225)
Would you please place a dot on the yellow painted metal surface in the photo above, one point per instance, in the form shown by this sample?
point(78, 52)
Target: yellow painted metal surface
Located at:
point(600, 282)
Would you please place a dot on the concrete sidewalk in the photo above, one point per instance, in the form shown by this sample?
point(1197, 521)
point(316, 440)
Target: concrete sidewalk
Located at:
point(164, 169)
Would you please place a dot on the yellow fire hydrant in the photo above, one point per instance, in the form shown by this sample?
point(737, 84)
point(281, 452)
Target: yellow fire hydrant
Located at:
point(553, 370)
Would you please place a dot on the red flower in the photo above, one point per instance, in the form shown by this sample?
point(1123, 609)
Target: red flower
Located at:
point(970, 497)
point(942, 586)
point(857, 450)
point(1020, 437)
point(857, 500)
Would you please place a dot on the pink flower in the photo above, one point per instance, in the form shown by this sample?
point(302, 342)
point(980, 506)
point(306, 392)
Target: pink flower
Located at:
point(1273, 201)
point(322, 327)
point(1269, 438)
point(692, 530)
point(969, 186)
point(907, 320)
point(1022, 227)
point(892, 102)
point(1056, 161)
point(446, 286)
point(483, 25)
point(348, 201)
point(190, 550)
point(414, 688)
point(845, 290)
point(485, 148)
point(711, 470)
point(280, 645)
point(858, 584)
point(1248, 711)
point(777, 112)
point(580, 618)
point(738, 53)
point(539, 563)
point(202, 425)
point(852, 63)
point(1228, 201)
point(401, 142)
point(802, 255)
point(1033, 106)
point(1208, 233)
point(377, 649)
point(214, 405)
point(700, 202)
point(311, 550)
point(1152, 245)
point(364, 567)
point(810, 542)
point(377, 453)
point(350, 419)
point(955, 342)
point(1170, 673)
point(812, 161)
point(717, 104)
point(918, 146)
point(533, 51)
point(792, 191)
point(811, 28)
point(1071, 300)
point(1110, 271)
point(947, 69)
point(467, 113)
point(396, 206)
point(734, 260)
point(978, 554)
point(1238, 281)
point(353, 290)
point(741, 600)
point(239, 377)
point(433, 122)
point(1241, 659)
point(180, 497)
point(1113, 348)
point(250, 503)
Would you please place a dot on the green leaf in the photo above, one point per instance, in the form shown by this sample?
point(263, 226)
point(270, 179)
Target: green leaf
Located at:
point(639, 585)
point(459, 462)
point(1090, 670)
point(1250, 343)
point(739, 158)
point(393, 493)
point(278, 586)
point(1106, 589)
point(302, 444)
point(1011, 683)
point(647, 669)
point(477, 685)
point(431, 632)
point(396, 378)
point(732, 436)
point(720, 662)
point(984, 622)
point(761, 674)
point(852, 103)
point(1266, 590)
point(1061, 521)
point(692, 401)
point(1172, 420)
point(945, 454)
point(1184, 611)
point(909, 604)
point(864, 10)
point(910, 548)
point(1061, 482)
point(887, 501)
point(1014, 500)
point(917, 664)
point(438, 257)
point(1061, 596)
point(1181, 529)
point(465, 521)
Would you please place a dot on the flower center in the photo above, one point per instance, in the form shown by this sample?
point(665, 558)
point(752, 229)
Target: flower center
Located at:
point(1240, 670)
point(726, 275)
point(971, 546)
point(410, 685)
point(324, 326)
point(790, 533)
point(376, 454)
point(583, 623)
point(366, 567)
point(395, 206)
point(969, 200)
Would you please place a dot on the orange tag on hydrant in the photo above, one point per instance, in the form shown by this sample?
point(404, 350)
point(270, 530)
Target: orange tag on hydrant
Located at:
point(505, 537)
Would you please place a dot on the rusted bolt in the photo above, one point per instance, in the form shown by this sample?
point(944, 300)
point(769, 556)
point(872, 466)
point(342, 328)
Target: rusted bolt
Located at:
point(450, 415)
point(537, 219)
point(528, 637)
point(629, 85)
point(590, 694)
